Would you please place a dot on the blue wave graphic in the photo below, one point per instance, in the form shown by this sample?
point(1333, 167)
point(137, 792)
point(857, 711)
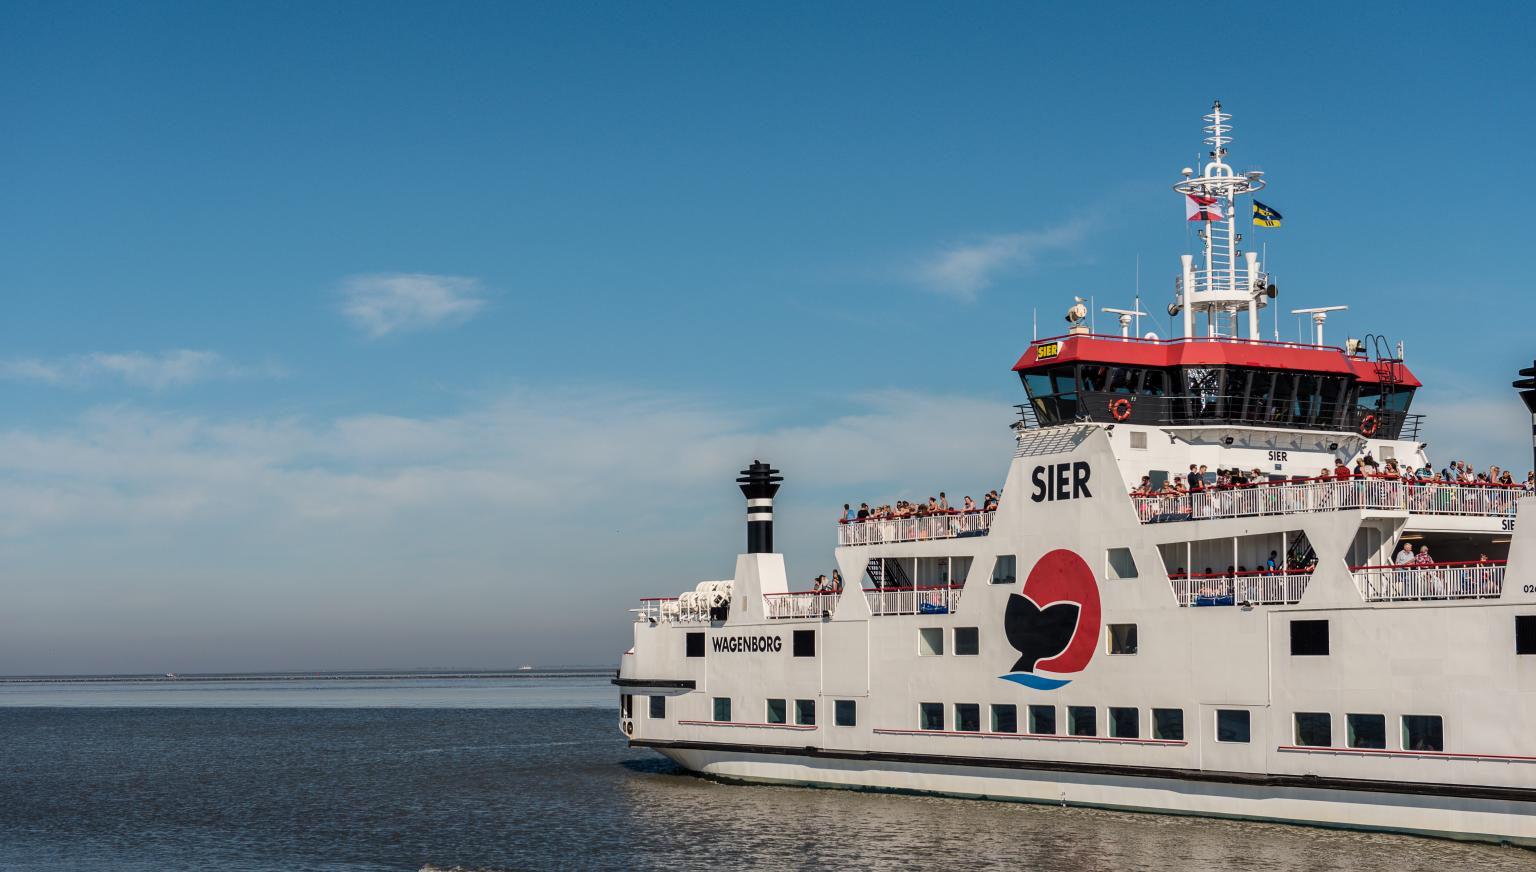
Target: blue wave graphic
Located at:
point(1029, 679)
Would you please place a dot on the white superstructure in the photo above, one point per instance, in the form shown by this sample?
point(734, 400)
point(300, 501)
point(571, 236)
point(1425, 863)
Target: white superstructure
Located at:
point(1253, 650)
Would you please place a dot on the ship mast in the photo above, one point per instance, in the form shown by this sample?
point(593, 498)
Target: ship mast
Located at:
point(1230, 279)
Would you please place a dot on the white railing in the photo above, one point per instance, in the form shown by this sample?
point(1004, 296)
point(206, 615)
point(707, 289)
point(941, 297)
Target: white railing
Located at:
point(937, 600)
point(800, 603)
point(950, 525)
point(1325, 495)
point(1430, 581)
point(1255, 588)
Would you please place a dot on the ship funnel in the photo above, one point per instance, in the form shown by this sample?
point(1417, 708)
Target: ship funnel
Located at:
point(758, 483)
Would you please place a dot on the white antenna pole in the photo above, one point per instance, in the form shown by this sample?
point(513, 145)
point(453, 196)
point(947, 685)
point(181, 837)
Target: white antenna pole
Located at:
point(1137, 307)
point(1035, 330)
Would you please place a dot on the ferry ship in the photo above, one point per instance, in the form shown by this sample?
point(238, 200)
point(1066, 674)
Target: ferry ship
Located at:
point(1251, 646)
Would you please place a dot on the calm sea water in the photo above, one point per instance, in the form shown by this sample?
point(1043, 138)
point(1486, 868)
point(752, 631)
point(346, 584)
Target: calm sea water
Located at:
point(524, 773)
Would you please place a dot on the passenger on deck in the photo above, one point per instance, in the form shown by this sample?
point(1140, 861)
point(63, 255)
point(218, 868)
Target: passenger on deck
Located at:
point(863, 511)
point(943, 502)
point(1340, 471)
point(837, 581)
point(969, 505)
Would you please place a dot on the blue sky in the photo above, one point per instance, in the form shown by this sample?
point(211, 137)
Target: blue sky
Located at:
point(366, 334)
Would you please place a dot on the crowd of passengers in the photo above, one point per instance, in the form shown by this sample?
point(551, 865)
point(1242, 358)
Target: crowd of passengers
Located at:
point(938, 505)
point(1457, 472)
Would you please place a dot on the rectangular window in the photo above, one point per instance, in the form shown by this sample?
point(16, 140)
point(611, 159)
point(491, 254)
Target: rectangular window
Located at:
point(1082, 720)
point(966, 641)
point(930, 641)
point(967, 717)
point(658, 708)
point(930, 715)
point(1005, 569)
point(778, 712)
point(805, 643)
point(805, 712)
point(722, 708)
point(626, 705)
point(1232, 726)
point(1119, 563)
point(695, 645)
point(845, 713)
point(1139, 439)
point(1366, 731)
point(1525, 634)
point(1124, 723)
point(1309, 638)
point(1423, 733)
point(1168, 724)
point(1042, 720)
point(1314, 729)
point(1005, 718)
point(1122, 638)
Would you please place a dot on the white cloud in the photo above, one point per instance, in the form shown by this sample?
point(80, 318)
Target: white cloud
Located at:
point(156, 371)
point(383, 303)
point(965, 269)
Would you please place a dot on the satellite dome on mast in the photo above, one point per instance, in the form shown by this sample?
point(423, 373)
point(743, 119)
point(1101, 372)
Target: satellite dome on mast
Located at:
point(1229, 279)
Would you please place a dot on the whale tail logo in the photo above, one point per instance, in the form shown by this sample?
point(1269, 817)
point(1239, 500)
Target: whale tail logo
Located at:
point(1054, 622)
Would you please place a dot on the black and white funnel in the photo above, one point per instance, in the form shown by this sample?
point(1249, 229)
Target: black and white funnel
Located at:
point(759, 482)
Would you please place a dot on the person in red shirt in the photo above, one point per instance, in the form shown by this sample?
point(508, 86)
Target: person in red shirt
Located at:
point(1340, 471)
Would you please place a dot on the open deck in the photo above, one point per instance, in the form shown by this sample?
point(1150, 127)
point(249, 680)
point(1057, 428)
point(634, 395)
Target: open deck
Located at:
point(1325, 495)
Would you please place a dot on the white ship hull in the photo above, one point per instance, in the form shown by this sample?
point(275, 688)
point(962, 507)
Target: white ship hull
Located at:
point(1420, 812)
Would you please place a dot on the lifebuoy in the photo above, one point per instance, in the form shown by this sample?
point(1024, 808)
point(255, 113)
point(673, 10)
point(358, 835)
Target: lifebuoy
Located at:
point(1368, 426)
point(1120, 408)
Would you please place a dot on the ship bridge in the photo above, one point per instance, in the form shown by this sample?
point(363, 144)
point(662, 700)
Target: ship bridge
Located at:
point(1204, 380)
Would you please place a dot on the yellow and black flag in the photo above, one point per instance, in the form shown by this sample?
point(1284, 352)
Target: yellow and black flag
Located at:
point(1263, 216)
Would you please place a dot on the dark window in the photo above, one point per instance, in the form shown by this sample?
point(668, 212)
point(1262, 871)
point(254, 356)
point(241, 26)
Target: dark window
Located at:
point(805, 643)
point(1168, 724)
point(695, 645)
point(966, 641)
point(1314, 729)
point(1124, 723)
point(626, 704)
point(1231, 726)
point(1042, 720)
point(805, 712)
point(1005, 570)
point(778, 712)
point(1309, 638)
point(1082, 720)
point(1525, 634)
point(1366, 731)
point(658, 708)
point(845, 712)
point(1423, 733)
point(722, 708)
point(1005, 718)
point(1122, 638)
point(930, 715)
point(967, 717)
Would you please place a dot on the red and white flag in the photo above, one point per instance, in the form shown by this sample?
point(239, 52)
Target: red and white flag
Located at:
point(1199, 207)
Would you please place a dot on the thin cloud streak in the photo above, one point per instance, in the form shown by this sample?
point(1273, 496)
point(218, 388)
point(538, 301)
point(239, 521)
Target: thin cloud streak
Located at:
point(380, 304)
point(964, 270)
point(155, 371)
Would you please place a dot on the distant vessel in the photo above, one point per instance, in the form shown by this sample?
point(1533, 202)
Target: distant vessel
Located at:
point(1078, 641)
point(525, 669)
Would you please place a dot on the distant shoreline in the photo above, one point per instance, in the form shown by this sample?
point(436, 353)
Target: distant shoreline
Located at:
point(366, 675)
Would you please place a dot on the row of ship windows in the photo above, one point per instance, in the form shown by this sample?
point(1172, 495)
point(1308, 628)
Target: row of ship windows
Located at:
point(1311, 729)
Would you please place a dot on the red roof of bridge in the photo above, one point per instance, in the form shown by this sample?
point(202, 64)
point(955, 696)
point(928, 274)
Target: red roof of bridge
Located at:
point(1203, 351)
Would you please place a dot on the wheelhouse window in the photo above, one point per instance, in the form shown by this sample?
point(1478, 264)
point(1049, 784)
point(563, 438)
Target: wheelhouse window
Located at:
point(1423, 733)
point(1053, 393)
